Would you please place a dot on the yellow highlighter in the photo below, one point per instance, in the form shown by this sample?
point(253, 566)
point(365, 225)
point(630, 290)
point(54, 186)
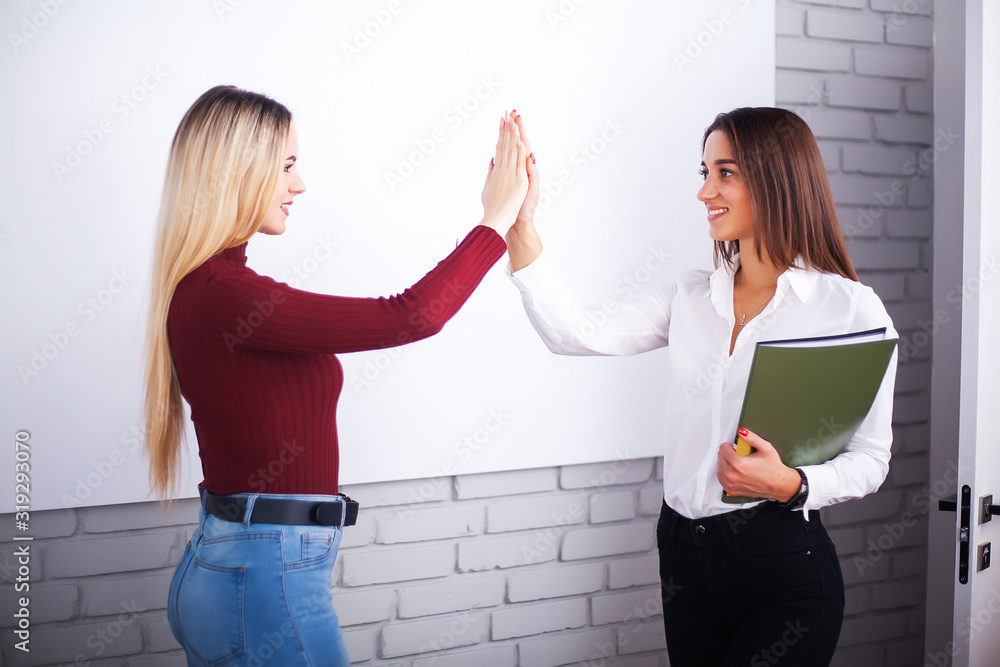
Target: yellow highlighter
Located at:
point(743, 449)
point(741, 446)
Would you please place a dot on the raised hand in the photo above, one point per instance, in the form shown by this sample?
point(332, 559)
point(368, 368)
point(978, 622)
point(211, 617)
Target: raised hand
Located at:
point(527, 213)
point(523, 244)
point(507, 179)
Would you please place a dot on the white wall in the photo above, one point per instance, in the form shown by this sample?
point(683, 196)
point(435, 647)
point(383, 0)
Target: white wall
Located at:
point(396, 107)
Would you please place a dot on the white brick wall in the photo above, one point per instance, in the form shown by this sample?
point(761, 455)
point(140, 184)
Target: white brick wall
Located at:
point(544, 582)
point(558, 566)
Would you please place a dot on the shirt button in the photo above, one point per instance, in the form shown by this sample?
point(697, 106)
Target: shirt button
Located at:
point(699, 529)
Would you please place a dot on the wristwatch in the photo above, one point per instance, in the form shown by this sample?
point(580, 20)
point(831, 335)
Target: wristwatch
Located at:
point(799, 499)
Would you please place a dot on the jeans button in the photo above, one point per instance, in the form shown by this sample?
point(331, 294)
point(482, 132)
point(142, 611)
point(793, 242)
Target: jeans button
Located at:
point(699, 529)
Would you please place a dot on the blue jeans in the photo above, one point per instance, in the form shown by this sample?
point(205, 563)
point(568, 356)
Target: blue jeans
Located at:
point(257, 594)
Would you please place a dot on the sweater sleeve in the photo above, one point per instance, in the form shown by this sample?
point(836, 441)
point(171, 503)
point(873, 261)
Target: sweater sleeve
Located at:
point(250, 311)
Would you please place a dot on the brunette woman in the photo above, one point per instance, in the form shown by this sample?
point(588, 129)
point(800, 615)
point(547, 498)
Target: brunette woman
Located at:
point(757, 584)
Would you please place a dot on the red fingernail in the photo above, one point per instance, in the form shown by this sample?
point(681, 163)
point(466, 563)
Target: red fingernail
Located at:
point(743, 432)
point(491, 162)
point(532, 156)
point(513, 112)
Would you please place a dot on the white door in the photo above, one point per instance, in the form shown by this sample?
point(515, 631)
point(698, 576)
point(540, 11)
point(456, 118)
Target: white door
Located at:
point(975, 632)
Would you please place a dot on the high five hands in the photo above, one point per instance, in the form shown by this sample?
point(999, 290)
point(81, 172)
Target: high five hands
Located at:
point(507, 179)
point(511, 192)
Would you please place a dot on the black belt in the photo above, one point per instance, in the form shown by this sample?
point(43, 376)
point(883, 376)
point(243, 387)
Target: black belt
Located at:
point(283, 510)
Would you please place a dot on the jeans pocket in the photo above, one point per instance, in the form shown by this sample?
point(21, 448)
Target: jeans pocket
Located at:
point(316, 548)
point(210, 612)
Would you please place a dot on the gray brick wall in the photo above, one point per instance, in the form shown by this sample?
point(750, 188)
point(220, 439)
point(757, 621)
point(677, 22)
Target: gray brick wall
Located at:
point(558, 565)
point(860, 73)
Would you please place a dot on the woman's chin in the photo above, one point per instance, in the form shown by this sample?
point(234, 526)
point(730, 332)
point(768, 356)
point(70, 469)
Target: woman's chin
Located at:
point(273, 229)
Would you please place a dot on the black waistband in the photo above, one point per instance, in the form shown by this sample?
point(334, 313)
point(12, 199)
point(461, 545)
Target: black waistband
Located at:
point(342, 512)
point(728, 524)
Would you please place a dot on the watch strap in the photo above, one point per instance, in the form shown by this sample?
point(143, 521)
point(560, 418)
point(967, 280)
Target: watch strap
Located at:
point(799, 499)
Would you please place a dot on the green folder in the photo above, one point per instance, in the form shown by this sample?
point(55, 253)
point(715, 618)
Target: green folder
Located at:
point(808, 396)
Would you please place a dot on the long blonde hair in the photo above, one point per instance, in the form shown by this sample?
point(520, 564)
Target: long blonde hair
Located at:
point(222, 172)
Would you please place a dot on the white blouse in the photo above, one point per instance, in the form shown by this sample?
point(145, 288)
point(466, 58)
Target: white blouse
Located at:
point(693, 318)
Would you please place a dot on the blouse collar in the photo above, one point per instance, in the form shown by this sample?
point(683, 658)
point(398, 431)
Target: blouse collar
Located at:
point(799, 278)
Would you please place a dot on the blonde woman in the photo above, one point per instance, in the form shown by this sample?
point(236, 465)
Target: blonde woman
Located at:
point(255, 359)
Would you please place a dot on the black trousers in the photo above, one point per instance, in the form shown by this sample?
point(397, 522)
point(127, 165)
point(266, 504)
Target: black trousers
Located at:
point(749, 588)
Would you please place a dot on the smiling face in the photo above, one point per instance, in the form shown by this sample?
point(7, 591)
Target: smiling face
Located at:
point(725, 193)
point(289, 185)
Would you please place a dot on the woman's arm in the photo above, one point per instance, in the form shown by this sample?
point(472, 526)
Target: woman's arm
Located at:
point(247, 311)
point(613, 328)
point(242, 310)
point(566, 327)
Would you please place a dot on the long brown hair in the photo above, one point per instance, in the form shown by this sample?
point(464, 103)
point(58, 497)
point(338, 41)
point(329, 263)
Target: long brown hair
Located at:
point(793, 207)
point(222, 171)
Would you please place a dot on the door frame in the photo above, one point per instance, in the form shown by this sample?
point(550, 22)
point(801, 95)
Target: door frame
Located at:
point(949, 204)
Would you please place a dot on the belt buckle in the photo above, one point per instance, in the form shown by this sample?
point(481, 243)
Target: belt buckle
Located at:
point(330, 513)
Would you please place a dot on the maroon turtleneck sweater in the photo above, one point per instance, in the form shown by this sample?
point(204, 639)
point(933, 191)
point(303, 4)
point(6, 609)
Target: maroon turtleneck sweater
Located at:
point(256, 361)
